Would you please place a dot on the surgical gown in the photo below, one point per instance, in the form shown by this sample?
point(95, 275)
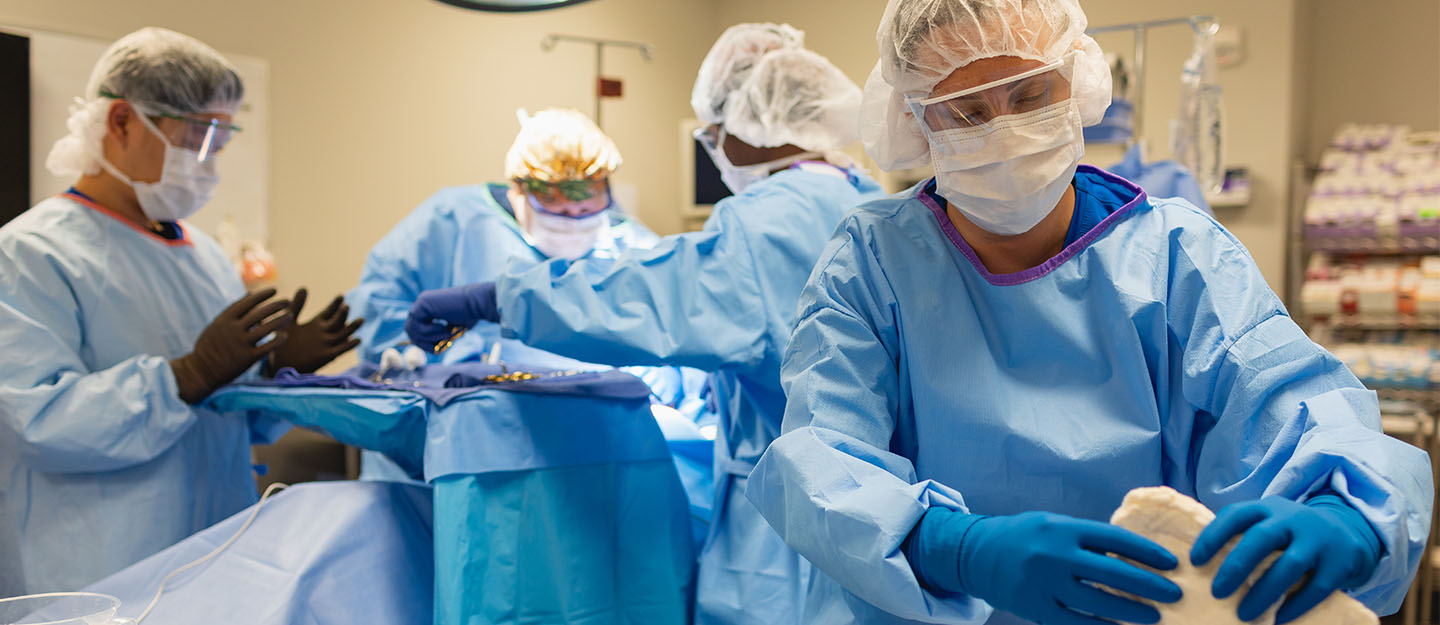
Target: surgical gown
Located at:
point(469, 234)
point(721, 300)
point(101, 463)
point(459, 236)
point(1148, 352)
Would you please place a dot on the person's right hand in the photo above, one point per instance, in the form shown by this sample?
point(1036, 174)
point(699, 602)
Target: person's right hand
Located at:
point(442, 314)
point(1046, 567)
point(230, 344)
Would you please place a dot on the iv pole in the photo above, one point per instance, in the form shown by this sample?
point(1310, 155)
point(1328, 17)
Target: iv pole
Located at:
point(647, 52)
point(1137, 65)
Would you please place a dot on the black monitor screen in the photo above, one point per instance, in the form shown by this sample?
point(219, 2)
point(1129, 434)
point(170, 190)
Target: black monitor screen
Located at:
point(709, 188)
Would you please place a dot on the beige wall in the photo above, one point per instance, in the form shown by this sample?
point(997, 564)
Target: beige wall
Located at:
point(375, 107)
point(1373, 62)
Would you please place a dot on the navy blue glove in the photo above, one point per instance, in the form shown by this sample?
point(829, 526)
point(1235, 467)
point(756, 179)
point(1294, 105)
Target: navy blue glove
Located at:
point(1042, 566)
point(441, 314)
point(1324, 536)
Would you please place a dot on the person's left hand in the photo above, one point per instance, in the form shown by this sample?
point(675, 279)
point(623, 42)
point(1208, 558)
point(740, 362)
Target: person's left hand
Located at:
point(1324, 537)
point(312, 345)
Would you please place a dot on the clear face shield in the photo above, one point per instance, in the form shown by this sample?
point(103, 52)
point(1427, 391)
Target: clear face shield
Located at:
point(977, 110)
point(205, 136)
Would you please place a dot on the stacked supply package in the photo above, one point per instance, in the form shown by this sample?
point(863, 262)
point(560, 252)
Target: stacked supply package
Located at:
point(1372, 281)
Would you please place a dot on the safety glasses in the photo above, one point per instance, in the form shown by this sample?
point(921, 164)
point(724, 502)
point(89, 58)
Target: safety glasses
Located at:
point(206, 136)
point(978, 107)
point(569, 198)
point(710, 137)
point(202, 134)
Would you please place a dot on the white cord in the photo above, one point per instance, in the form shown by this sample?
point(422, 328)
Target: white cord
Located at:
point(263, 498)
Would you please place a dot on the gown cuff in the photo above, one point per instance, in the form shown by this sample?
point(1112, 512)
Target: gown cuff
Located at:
point(1347, 514)
point(933, 548)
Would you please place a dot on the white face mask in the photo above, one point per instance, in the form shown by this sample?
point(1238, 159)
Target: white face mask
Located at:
point(558, 236)
point(1008, 176)
point(740, 177)
point(185, 184)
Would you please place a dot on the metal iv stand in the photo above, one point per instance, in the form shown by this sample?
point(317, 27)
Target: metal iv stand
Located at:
point(647, 52)
point(1197, 23)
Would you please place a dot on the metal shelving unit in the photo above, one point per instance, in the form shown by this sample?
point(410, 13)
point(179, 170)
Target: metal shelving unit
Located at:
point(1410, 413)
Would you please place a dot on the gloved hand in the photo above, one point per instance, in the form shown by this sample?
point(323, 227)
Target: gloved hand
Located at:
point(230, 344)
point(1041, 566)
point(439, 314)
point(1324, 536)
point(314, 344)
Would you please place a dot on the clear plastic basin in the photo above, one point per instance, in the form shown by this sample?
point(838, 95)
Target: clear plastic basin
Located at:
point(61, 608)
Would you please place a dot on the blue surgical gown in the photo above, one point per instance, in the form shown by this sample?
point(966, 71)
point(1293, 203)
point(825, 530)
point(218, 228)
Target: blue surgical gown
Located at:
point(1161, 179)
point(469, 234)
point(101, 463)
point(720, 300)
point(459, 236)
point(1149, 352)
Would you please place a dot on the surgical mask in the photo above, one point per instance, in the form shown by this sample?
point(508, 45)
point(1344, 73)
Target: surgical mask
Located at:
point(740, 177)
point(1008, 176)
point(562, 236)
point(186, 181)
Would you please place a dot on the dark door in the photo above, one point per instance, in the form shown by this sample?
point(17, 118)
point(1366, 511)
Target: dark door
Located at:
point(14, 126)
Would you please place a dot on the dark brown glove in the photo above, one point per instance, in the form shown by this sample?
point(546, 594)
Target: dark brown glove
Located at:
point(314, 344)
point(230, 345)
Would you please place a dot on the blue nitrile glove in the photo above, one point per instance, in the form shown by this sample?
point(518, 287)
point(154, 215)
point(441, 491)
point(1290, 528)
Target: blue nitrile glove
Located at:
point(1042, 566)
point(439, 314)
point(1324, 536)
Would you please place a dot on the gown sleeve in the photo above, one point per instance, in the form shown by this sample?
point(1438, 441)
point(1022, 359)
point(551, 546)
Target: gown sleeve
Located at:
point(61, 416)
point(830, 486)
point(1276, 414)
point(691, 301)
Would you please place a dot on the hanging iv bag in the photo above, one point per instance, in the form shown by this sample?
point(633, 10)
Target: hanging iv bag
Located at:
point(1196, 137)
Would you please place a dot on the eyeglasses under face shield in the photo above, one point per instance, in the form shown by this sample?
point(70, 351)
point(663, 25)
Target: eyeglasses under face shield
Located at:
point(206, 136)
point(201, 133)
point(977, 108)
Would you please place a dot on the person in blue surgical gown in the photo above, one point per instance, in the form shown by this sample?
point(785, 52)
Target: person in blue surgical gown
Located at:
point(558, 204)
point(721, 299)
point(117, 318)
point(985, 364)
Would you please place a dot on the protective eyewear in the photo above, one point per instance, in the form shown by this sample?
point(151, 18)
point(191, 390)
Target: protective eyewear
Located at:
point(977, 107)
point(712, 139)
point(572, 190)
point(204, 136)
point(708, 136)
point(554, 200)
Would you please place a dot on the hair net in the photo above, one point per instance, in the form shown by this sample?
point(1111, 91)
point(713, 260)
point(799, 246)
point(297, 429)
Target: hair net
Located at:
point(158, 71)
point(795, 97)
point(559, 145)
point(730, 61)
point(923, 41)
